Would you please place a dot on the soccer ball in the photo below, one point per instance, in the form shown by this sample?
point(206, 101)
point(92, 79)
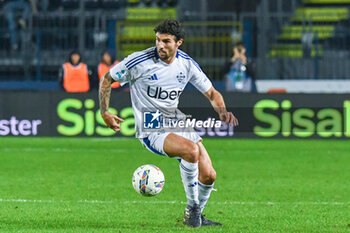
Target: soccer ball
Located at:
point(148, 180)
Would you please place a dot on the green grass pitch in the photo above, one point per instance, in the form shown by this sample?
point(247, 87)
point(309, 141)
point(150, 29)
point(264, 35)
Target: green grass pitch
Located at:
point(84, 185)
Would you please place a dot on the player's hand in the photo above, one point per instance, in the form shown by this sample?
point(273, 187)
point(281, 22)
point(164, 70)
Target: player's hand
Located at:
point(229, 118)
point(112, 121)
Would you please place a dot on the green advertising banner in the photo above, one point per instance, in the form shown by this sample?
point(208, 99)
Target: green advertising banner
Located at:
point(54, 113)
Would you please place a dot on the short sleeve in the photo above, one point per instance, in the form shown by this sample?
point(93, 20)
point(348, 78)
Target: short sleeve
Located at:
point(120, 73)
point(125, 71)
point(198, 79)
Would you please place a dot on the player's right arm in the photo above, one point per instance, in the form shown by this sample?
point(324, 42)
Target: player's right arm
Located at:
point(121, 73)
point(112, 121)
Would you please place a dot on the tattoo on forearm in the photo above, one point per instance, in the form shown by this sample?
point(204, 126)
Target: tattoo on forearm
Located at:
point(105, 92)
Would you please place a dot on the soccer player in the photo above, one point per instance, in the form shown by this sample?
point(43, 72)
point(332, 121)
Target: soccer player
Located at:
point(153, 75)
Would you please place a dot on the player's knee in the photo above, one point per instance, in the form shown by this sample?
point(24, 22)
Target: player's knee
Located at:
point(193, 151)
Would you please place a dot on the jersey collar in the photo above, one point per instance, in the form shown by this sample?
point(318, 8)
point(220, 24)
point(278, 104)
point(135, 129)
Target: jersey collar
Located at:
point(156, 52)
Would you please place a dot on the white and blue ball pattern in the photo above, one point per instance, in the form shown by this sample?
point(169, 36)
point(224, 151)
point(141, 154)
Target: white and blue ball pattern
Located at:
point(148, 180)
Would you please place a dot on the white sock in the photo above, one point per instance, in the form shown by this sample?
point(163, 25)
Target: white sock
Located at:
point(189, 175)
point(204, 191)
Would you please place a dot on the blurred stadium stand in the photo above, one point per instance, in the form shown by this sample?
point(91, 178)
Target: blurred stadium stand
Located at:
point(307, 41)
point(298, 39)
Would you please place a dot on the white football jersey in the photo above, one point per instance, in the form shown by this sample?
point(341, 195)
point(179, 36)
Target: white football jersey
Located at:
point(155, 84)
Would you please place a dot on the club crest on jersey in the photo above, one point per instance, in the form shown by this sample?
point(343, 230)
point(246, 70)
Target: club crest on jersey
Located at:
point(180, 77)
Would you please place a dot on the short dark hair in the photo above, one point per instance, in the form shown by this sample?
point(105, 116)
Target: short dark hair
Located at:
point(239, 44)
point(171, 27)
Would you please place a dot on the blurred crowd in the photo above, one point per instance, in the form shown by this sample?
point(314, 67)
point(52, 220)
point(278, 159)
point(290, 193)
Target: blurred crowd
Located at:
point(17, 12)
point(239, 71)
point(76, 76)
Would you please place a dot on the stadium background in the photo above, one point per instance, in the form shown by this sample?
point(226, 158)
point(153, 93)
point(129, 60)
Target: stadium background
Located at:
point(294, 47)
point(298, 48)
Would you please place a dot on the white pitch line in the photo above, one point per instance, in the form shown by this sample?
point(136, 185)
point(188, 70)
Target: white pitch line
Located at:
point(95, 202)
point(37, 149)
point(176, 202)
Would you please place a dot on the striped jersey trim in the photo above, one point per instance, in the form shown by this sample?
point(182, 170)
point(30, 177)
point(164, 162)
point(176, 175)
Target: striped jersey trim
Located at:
point(138, 56)
point(138, 59)
point(149, 57)
point(185, 56)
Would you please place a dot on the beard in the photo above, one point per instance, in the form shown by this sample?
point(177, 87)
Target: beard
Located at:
point(163, 55)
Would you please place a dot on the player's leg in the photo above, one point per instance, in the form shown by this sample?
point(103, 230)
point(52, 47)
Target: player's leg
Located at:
point(188, 151)
point(178, 146)
point(206, 177)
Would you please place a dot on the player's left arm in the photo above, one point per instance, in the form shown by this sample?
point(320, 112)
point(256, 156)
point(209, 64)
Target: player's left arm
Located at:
point(203, 84)
point(218, 103)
